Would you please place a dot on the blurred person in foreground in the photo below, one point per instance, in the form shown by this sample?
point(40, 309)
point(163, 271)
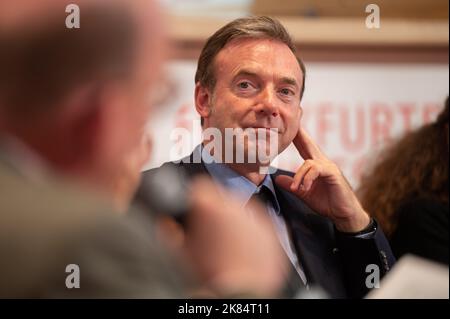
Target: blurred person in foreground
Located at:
point(407, 191)
point(249, 80)
point(73, 105)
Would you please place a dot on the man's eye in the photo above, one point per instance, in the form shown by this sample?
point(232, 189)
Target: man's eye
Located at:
point(286, 92)
point(244, 85)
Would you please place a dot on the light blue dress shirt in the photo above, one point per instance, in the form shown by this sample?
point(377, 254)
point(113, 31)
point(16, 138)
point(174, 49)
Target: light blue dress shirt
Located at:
point(243, 189)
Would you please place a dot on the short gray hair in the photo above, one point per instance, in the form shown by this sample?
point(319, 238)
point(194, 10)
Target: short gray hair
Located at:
point(258, 27)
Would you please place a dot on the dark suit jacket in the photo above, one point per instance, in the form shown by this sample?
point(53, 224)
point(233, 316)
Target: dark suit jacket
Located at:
point(334, 261)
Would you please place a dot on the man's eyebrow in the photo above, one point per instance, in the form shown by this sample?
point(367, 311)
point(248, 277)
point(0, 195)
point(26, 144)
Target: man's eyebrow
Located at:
point(290, 81)
point(246, 73)
point(284, 79)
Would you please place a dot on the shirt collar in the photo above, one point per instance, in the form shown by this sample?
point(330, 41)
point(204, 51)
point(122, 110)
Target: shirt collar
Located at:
point(239, 185)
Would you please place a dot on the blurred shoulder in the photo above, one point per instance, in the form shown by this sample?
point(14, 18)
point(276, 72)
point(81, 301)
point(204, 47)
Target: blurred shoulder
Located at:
point(51, 224)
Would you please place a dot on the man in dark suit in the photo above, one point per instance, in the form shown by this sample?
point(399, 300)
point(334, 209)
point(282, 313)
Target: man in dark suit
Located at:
point(250, 82)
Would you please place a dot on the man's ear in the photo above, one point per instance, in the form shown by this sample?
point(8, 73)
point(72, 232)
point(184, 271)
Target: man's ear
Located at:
point(82, 119)
point(299, 114)
point(202, 100)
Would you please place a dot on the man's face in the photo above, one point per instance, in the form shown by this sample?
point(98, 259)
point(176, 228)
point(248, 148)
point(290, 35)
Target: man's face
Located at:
point(258, 85)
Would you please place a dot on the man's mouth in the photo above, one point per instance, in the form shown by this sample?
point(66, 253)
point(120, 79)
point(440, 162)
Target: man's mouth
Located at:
point(272, 130)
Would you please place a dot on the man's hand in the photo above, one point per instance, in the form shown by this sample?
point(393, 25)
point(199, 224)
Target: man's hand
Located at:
point(321, 185)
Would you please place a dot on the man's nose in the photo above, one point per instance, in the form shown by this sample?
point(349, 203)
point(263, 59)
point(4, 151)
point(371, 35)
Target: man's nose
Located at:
point(267, 103)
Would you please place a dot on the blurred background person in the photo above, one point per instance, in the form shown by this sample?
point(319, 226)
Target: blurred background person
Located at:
point(408, 191)
point(73, 105)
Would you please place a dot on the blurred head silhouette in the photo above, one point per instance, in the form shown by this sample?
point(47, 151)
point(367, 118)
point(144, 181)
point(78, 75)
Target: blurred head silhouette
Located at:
point(79, 98)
